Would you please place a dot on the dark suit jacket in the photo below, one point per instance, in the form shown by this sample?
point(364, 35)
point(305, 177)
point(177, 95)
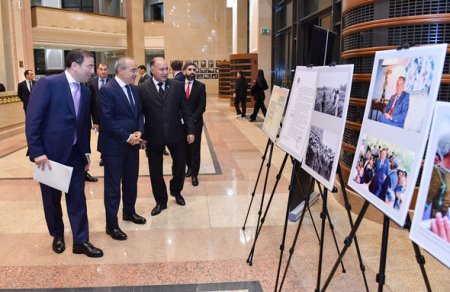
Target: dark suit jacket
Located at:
point(117, 118)
point(241, 88)
point(197, 104)
point(93, 87)
point(143, 78)
point(163, 115)
point(400, 110)
point(24, 93)
point(179, 76)
point(51, 122)
point(2, 87)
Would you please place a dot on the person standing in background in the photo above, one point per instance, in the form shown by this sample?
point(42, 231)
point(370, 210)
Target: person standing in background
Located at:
point(58, 129)
point(24, 88)
point(95, 84)
point(240, 94)
point(143, 72)
point(196, 99)
point(257, 91)
point(120, 135)
point(176, 70)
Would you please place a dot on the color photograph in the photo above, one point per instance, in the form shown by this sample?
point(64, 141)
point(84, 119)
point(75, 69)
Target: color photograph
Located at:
point(431, 222)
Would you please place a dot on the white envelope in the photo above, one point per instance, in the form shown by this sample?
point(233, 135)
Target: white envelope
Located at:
point(57, 178)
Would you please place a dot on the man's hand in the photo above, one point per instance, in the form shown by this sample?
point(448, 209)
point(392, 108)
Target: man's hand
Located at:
point(88, 165)
point(95, 127)
point(135, 138)
point(190, 139)
point(42, 161)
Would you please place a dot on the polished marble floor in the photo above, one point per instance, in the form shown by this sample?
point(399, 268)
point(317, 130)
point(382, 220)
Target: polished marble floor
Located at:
point(202, 242)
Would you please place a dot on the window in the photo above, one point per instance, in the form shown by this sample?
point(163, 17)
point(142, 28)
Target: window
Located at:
point(154, 10)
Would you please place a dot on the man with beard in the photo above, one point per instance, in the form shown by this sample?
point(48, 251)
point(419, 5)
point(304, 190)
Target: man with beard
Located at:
point(164, 104)
point(196, 99)
point(58, 129)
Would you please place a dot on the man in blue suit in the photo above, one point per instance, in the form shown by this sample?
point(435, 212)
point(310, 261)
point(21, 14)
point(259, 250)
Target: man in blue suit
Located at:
point(58, 129)
point(396, 110)
point(381, 172)
point(120, 136)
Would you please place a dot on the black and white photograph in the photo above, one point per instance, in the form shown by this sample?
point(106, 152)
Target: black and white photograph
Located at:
point(320, 154)
point(215, 76)
point(195, 62)
point(199, 76)
point(330, 99)
point(187, 61)
point(217, 63)
point(217, 70)
point(211, 63)
point(203, 63)
point(210, 70)
point(207, 76)
point(203, 70)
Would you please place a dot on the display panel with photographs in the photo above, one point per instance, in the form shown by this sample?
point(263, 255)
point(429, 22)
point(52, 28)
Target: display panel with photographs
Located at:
point(402, 94)
point(275, 110)
point(294, 133)
point(431, 223)
point(332, 95)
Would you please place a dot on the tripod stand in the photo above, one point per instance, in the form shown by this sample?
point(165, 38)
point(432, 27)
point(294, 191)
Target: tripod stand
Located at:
point(380, 278)
point(263, 159)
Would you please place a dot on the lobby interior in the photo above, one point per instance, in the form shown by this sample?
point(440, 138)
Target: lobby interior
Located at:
point(201, 246)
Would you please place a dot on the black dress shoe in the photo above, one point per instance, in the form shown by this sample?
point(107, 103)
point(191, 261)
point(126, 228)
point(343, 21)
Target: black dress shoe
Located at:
point(88, 249)
point(179, 199)
point(90, 178)
point(251, 120)
point(194, 180)
point(58, 244)
point(188, 172)
point(101, 162)
point(135, 218)
point(116, 233)
point(158, 209)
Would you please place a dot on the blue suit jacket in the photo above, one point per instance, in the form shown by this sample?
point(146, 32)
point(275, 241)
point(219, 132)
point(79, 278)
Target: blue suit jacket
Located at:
point(399, 113)
point(51, 122)
point(117, 118)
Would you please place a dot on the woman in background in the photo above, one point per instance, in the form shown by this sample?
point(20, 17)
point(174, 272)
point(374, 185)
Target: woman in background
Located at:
point(260, 84)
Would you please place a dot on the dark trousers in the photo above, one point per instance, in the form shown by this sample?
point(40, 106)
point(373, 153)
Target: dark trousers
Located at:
point(193, 153)
point(155, 165)
point(243, 103)
point(259, 104)
point(119, 168)
point(75, 202)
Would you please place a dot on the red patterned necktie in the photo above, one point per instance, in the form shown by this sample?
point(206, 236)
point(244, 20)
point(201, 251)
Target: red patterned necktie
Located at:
point(188, 90)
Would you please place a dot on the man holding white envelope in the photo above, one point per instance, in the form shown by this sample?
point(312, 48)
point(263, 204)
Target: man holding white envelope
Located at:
point(58, 129)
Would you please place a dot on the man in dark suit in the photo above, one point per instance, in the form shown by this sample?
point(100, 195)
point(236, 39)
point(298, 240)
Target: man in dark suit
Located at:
point(196, 98)
point(396, 110)
point(176, 70)
point(24, 88)
point(94, 86)
point(58, 129)
point(164, 106)
point(143, 73)
point(2, 87)
point(120, 136)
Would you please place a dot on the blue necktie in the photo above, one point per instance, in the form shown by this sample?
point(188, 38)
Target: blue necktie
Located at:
point(130, 97)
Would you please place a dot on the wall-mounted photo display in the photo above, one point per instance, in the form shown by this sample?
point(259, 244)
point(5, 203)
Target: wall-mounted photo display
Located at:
point(211, 63)
point(199, 76)
point(217, 70)
point(402, 96)
point(203, 63)
point(431, 223)
point(195, 62)
point(211, 70)
point(215, 76)
point(186, 61)
point(217, 63)
point(332, 96)
point(275, 110)
point(206, 76)
point(203, 70)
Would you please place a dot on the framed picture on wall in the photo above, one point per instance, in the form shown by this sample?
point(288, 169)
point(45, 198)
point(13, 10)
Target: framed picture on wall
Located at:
point(195, 62)
point(187, 61)
point(203, 70)
point(210, 70)
point(210, 63)
point(217, 63)
point(199, 76)
point(207, 76)
point(203, 63)
point(217, 70)
point(215, 76)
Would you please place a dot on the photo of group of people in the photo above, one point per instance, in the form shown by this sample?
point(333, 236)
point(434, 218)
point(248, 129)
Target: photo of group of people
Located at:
point(319, 156)
point(400, 103)
point(330, 100)
point(431, 224)
point(383, 169)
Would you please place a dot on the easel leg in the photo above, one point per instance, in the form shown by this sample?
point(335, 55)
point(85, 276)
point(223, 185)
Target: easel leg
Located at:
point(258, 231)
point(314, 223)
point(283, 240)
point(291, 250)
point(381, 277)
point(263, 158)
point(419, 257)
point(347, 242)
point(348, 207)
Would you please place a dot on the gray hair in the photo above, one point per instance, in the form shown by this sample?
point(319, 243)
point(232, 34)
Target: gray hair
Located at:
point(121, 64)
point(443, 146)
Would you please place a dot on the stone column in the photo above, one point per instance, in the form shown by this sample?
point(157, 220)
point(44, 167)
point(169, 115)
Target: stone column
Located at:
point(135, 30)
